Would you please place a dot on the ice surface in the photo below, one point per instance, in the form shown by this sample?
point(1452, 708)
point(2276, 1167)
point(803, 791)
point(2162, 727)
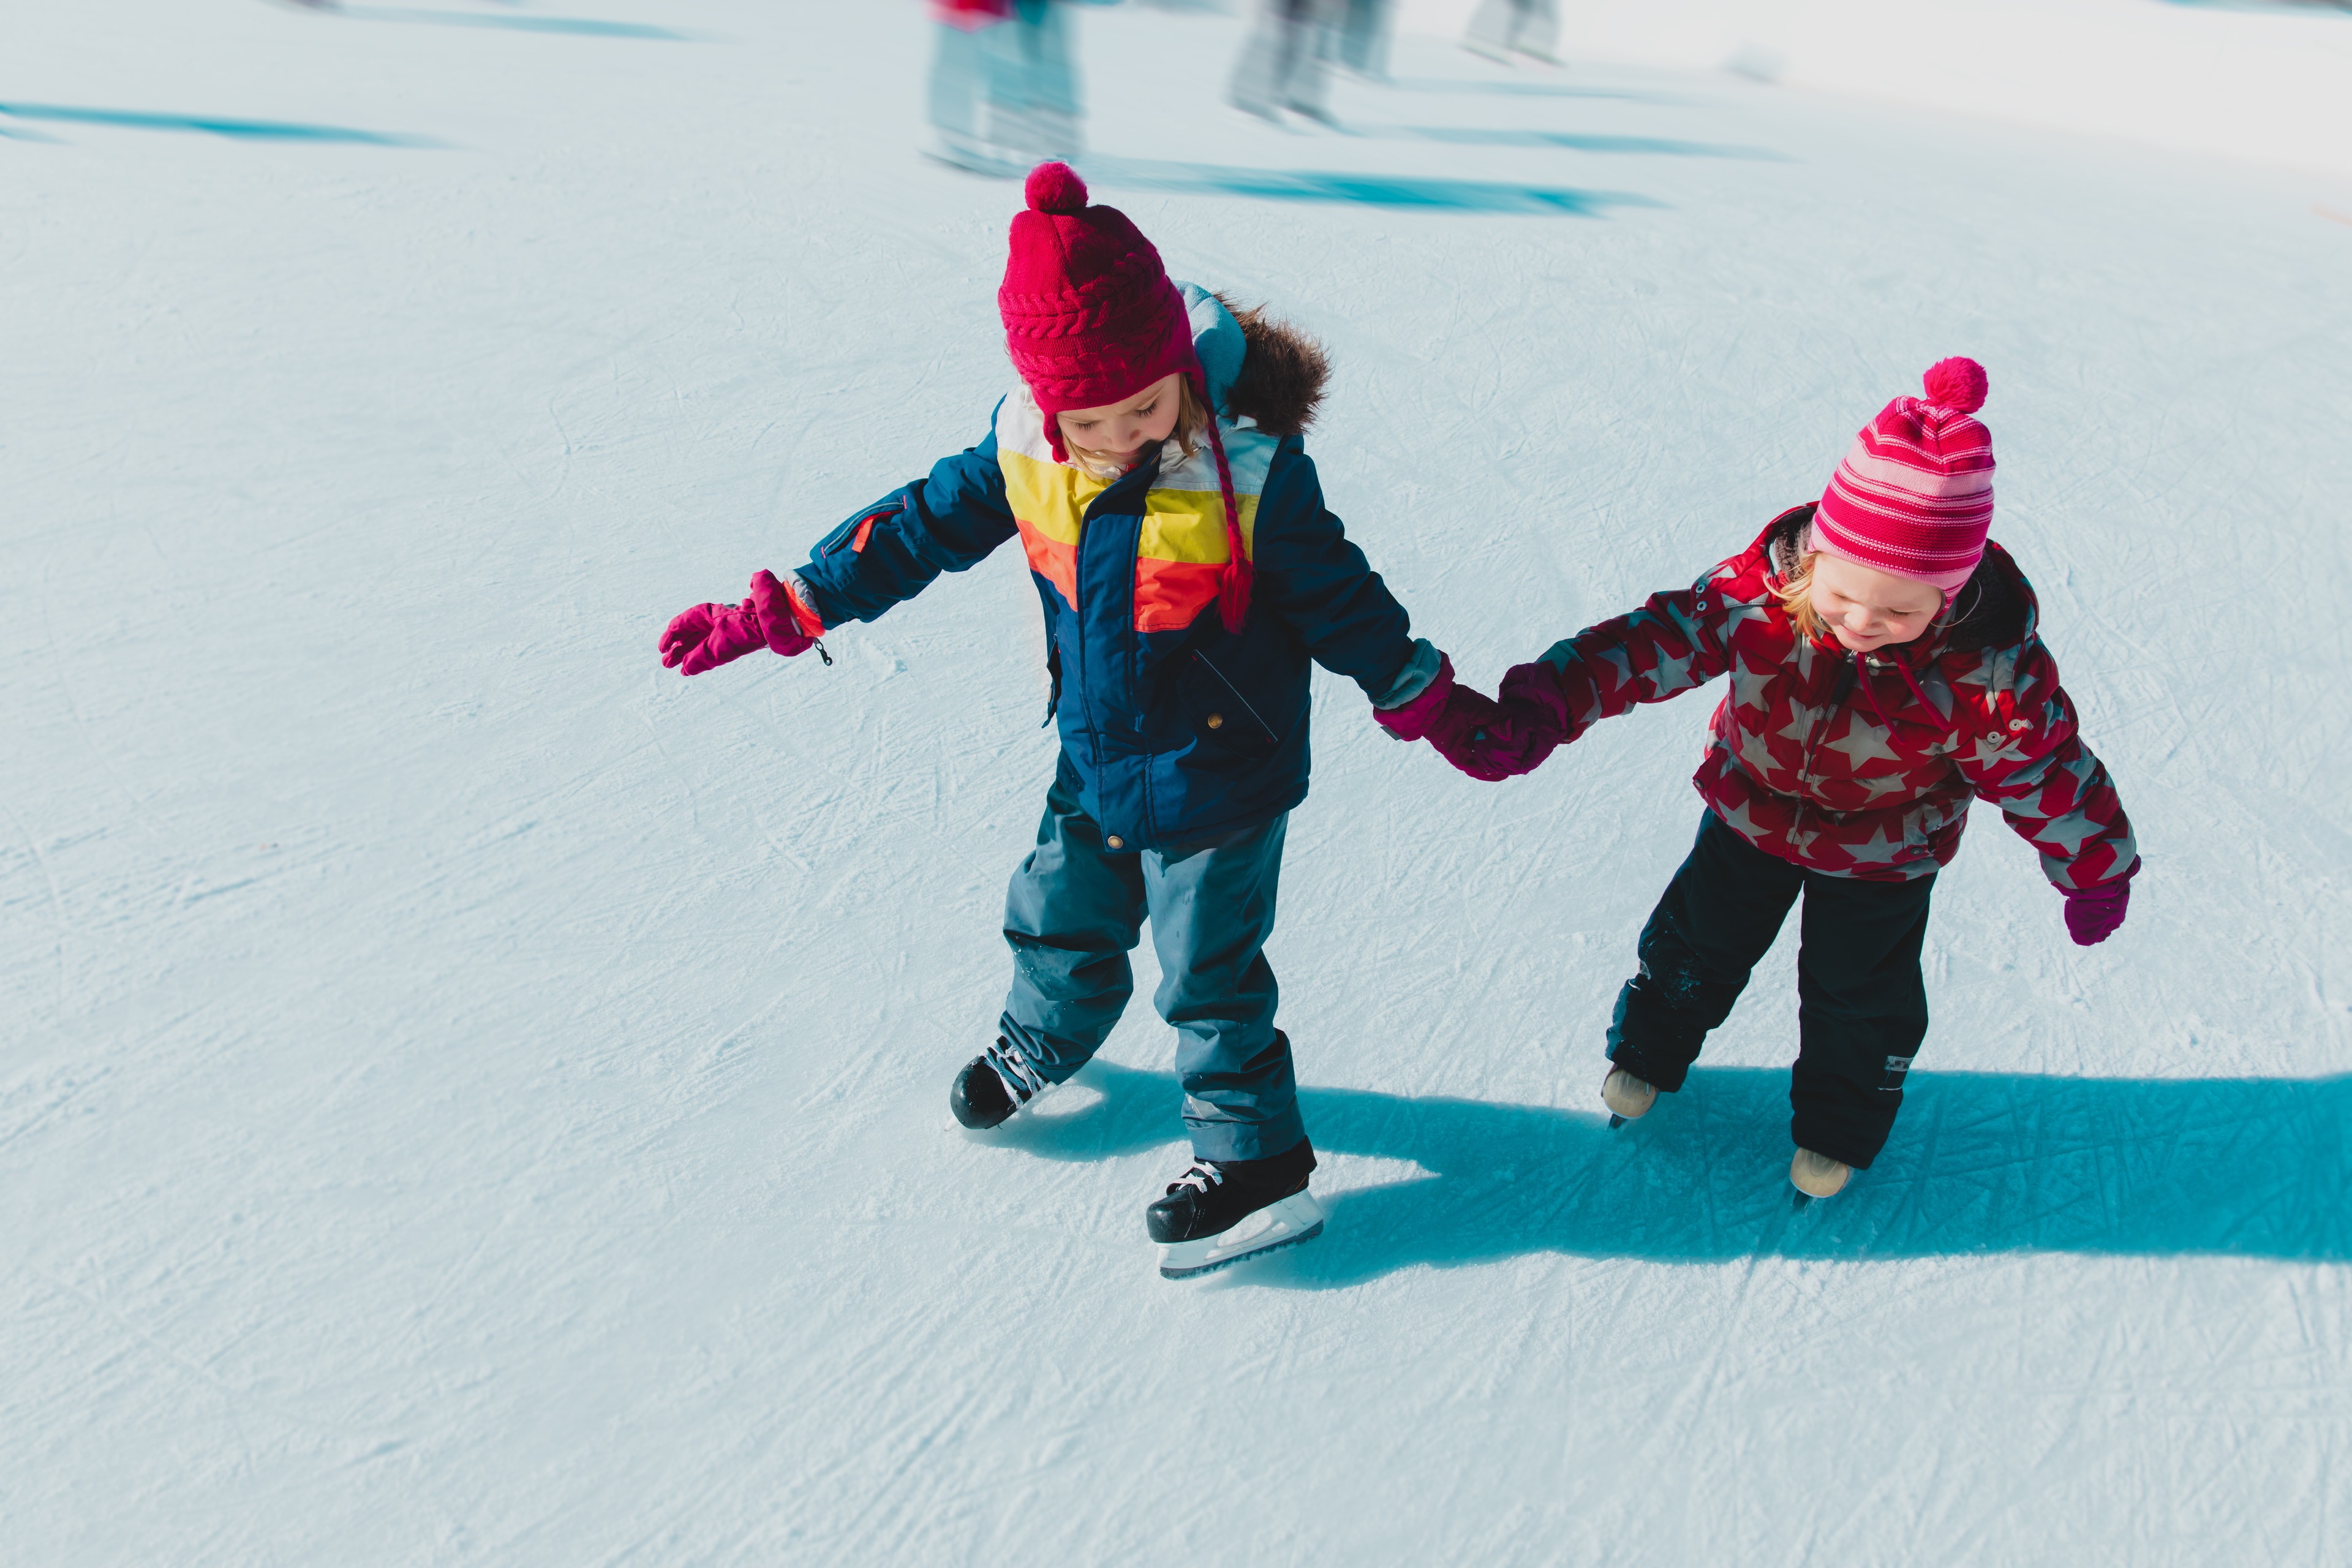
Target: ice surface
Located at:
point(468, 1096)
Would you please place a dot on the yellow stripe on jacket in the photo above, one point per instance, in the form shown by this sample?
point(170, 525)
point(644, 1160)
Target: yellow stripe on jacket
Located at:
point(1181, 546)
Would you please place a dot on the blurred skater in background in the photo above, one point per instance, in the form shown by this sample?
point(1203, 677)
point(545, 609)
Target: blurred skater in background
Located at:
point(1502, 28)
point(1360, 39)
point(1004, 89)
point(1281, 64)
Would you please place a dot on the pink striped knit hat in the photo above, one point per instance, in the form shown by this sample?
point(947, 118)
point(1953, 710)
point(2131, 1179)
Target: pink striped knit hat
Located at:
point(1914, 495)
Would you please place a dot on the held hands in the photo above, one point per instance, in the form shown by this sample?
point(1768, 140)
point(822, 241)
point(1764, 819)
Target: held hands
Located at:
point(2093, 914)
point(1485, 738)
point(709, 636)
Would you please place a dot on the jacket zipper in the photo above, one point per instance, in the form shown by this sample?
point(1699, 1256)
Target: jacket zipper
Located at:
point(1838, 691)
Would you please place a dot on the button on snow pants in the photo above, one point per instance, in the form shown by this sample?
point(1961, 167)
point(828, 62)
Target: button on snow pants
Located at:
point(1862, 1007)
point(1076, 909)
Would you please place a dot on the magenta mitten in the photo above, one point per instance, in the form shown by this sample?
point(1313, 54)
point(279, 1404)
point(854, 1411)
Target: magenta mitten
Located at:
point(789, 626)
point(709, 636)
point(2094, 913)
point(1411, 720)
point(686, 629)
point(1494, 740)
point(1450, 717)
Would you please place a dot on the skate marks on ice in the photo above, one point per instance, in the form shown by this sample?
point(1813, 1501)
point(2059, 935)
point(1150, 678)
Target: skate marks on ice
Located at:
point(1978, 1162)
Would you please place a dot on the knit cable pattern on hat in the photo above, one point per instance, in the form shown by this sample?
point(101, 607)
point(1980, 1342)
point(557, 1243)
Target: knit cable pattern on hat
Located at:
point(1091, 319)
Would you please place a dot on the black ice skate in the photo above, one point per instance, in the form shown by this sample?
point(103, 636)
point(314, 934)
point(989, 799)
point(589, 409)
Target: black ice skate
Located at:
point(1222, 1211)
point(993, 1085)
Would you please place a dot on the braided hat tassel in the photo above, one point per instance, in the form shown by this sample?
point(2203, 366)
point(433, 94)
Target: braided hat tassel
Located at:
point(1233, 582)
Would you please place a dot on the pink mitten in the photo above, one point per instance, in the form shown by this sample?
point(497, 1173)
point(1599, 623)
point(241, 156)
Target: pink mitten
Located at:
point(1467, 727)
point(2094, 913)
point(1411, 720)
point(709, 636)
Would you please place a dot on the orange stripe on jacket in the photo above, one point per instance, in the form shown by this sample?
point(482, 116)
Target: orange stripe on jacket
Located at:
point(1053, 561)
point(1170, 594)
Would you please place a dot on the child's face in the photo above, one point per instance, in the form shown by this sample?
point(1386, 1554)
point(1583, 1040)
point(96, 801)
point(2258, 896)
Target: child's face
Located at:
point(1867, 608)
point(1121, 433)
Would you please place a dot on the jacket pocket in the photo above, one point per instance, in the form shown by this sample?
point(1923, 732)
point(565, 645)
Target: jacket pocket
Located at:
point(852, 535)
point(1220, 716)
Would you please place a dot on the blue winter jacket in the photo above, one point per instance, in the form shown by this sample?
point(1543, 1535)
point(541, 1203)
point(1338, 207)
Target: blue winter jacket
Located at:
point(1175, 730)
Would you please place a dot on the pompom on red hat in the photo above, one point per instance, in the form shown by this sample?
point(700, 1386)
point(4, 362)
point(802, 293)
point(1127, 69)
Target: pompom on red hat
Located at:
point(1914, 495)
point(1091, 319)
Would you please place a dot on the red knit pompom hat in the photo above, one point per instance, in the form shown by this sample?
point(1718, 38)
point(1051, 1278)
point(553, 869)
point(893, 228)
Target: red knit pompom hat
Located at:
point(1913, 497)
point(1091, 319)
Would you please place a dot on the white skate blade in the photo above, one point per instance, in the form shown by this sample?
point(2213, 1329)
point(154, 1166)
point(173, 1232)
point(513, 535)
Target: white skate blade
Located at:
point(1283, 1222)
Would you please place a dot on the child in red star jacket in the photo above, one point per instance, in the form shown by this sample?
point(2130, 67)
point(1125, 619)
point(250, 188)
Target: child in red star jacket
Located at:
point(1885, 671)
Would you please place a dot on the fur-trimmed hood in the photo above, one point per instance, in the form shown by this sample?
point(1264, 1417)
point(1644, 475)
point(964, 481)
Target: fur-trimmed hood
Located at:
point(1258, 369)
point(1283, 375)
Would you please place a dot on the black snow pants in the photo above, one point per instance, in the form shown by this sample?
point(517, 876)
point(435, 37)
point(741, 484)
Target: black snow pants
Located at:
point(1862, 1007)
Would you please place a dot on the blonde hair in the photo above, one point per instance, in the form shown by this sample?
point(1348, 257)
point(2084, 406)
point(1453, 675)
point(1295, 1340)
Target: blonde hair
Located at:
point(1796, 595)
point(1191, 430)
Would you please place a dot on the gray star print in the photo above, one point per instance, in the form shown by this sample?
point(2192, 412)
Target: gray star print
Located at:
point(1876, 850)
point(2067, 833)
point(1737, 817)
point(1992, 749)
point(1615, 658)
point(1671, 675)
point(1865, 743)
point(1739, 611)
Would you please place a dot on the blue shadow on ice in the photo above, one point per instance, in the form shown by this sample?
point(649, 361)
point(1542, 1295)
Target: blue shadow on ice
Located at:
point(1368, 190)
point(1523, 90)
point(2275, 7)
point(1978, 1162)
point(211, 125)
point(1567, 141)
point(578, 26)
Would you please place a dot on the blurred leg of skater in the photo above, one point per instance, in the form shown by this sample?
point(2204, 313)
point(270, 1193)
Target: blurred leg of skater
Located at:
point(959, 84)
point(1362, 39)
point(1505, 27)
point(1033, 107)
point(1281, 65)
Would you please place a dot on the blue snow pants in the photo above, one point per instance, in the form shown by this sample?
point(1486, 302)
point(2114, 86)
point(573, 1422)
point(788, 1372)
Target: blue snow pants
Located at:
point(1076, 909)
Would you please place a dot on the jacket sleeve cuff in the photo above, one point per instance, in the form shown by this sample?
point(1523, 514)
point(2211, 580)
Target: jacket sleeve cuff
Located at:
point(1414, 678)
point(803, 600)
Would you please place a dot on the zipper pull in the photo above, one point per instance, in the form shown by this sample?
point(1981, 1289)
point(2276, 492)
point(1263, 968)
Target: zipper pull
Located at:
point(823, 652)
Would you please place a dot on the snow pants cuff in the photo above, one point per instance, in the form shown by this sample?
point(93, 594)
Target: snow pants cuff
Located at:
point(1075, 910)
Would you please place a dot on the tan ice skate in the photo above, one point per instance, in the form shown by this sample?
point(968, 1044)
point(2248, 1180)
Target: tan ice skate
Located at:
point(1818, 1175)
point(1627, 1096)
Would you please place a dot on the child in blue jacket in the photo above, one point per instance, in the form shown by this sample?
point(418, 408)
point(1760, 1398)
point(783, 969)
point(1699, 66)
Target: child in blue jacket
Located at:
point(1151, 467)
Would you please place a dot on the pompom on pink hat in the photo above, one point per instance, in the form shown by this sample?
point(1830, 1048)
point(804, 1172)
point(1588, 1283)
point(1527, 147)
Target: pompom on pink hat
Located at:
point(1091, 319)
point(1914, 495)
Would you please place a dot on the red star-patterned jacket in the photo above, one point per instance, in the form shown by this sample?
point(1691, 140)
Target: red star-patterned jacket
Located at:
point(1856, 764)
